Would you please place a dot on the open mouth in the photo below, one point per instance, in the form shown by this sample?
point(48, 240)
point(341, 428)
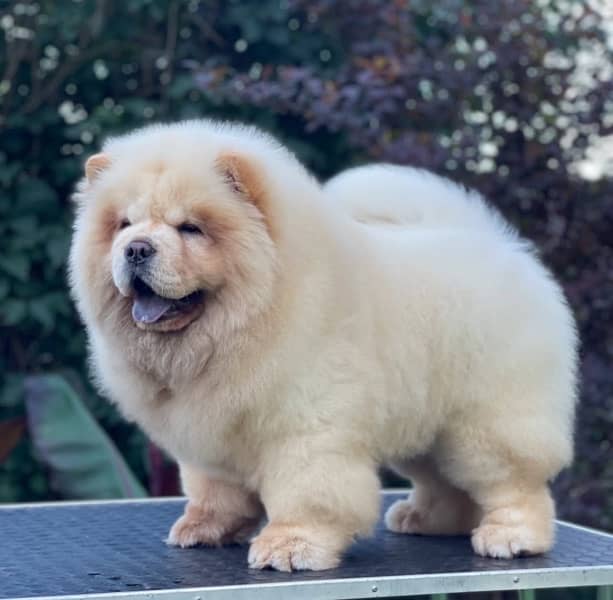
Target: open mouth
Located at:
point(148, 307)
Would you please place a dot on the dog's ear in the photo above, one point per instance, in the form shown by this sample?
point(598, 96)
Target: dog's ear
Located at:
point(95, 165)
point(245, 179)
point(241, 176)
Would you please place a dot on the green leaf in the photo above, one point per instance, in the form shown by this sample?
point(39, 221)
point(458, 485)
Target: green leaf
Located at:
point(34, 194)
point(16, 265)
point(42, 311)
point(5, 288)
point(24, 225)
point(11, 393)
point(180, 87)
point(12, 311)
point(57, 250)
point(83, 462)
point(8, 172)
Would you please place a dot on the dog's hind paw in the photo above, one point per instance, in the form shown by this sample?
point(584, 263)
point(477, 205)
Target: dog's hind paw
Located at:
point(404, 517)
point(507, 541)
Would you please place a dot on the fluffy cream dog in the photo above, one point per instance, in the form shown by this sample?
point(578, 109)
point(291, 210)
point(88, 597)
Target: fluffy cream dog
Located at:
point(282, 340)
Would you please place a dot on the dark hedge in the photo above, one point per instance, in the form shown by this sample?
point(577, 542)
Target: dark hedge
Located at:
point(494, 94)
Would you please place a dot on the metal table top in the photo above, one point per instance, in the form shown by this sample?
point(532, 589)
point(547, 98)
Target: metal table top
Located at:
point(117, 550)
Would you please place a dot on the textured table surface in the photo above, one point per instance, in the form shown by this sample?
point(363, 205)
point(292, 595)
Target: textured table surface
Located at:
point(97, 549)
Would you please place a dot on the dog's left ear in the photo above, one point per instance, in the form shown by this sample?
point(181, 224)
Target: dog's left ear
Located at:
point(241, 176)
point(247, 181)
point(95, 165)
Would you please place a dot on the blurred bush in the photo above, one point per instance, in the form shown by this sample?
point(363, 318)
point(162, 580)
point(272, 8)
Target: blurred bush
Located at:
point(503, 96)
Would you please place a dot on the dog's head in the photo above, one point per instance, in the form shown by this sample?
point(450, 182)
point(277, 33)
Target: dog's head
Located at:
point(175, 233)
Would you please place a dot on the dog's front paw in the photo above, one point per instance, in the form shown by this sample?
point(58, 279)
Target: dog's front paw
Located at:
point(189, 531)
point(295, 548)
point(200, 526)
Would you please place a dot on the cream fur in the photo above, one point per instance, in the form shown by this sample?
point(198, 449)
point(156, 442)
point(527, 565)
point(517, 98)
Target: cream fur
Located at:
point(389, 317)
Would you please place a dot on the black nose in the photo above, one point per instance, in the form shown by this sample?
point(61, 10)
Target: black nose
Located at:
point(138, 251)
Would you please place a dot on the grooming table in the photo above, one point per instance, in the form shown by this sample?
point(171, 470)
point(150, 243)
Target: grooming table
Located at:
point(115, 550)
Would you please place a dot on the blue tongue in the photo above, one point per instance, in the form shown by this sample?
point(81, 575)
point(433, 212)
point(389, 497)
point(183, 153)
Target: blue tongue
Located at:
point(150, 308)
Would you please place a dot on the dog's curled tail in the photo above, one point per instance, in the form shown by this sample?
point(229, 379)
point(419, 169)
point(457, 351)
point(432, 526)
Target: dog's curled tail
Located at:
point(396, 196)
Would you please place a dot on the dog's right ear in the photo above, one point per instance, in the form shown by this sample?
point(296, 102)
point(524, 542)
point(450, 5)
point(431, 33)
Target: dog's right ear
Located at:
point(95, 165)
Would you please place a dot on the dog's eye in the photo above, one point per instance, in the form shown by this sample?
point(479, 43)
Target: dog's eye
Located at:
point(124, 223)
point(189, 228)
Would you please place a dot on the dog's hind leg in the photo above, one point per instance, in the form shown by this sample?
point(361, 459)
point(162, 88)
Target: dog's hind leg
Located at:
point(506, 471)
point(434, 506)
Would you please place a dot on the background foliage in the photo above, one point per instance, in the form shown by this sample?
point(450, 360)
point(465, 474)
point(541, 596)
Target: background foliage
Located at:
point(504, 96)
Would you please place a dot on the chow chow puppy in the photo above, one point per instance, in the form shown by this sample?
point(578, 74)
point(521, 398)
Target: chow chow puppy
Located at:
point(282, 340)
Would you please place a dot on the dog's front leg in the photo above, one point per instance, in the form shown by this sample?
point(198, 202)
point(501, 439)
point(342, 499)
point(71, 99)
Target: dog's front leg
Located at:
point(316, 505)
point(217, 512)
